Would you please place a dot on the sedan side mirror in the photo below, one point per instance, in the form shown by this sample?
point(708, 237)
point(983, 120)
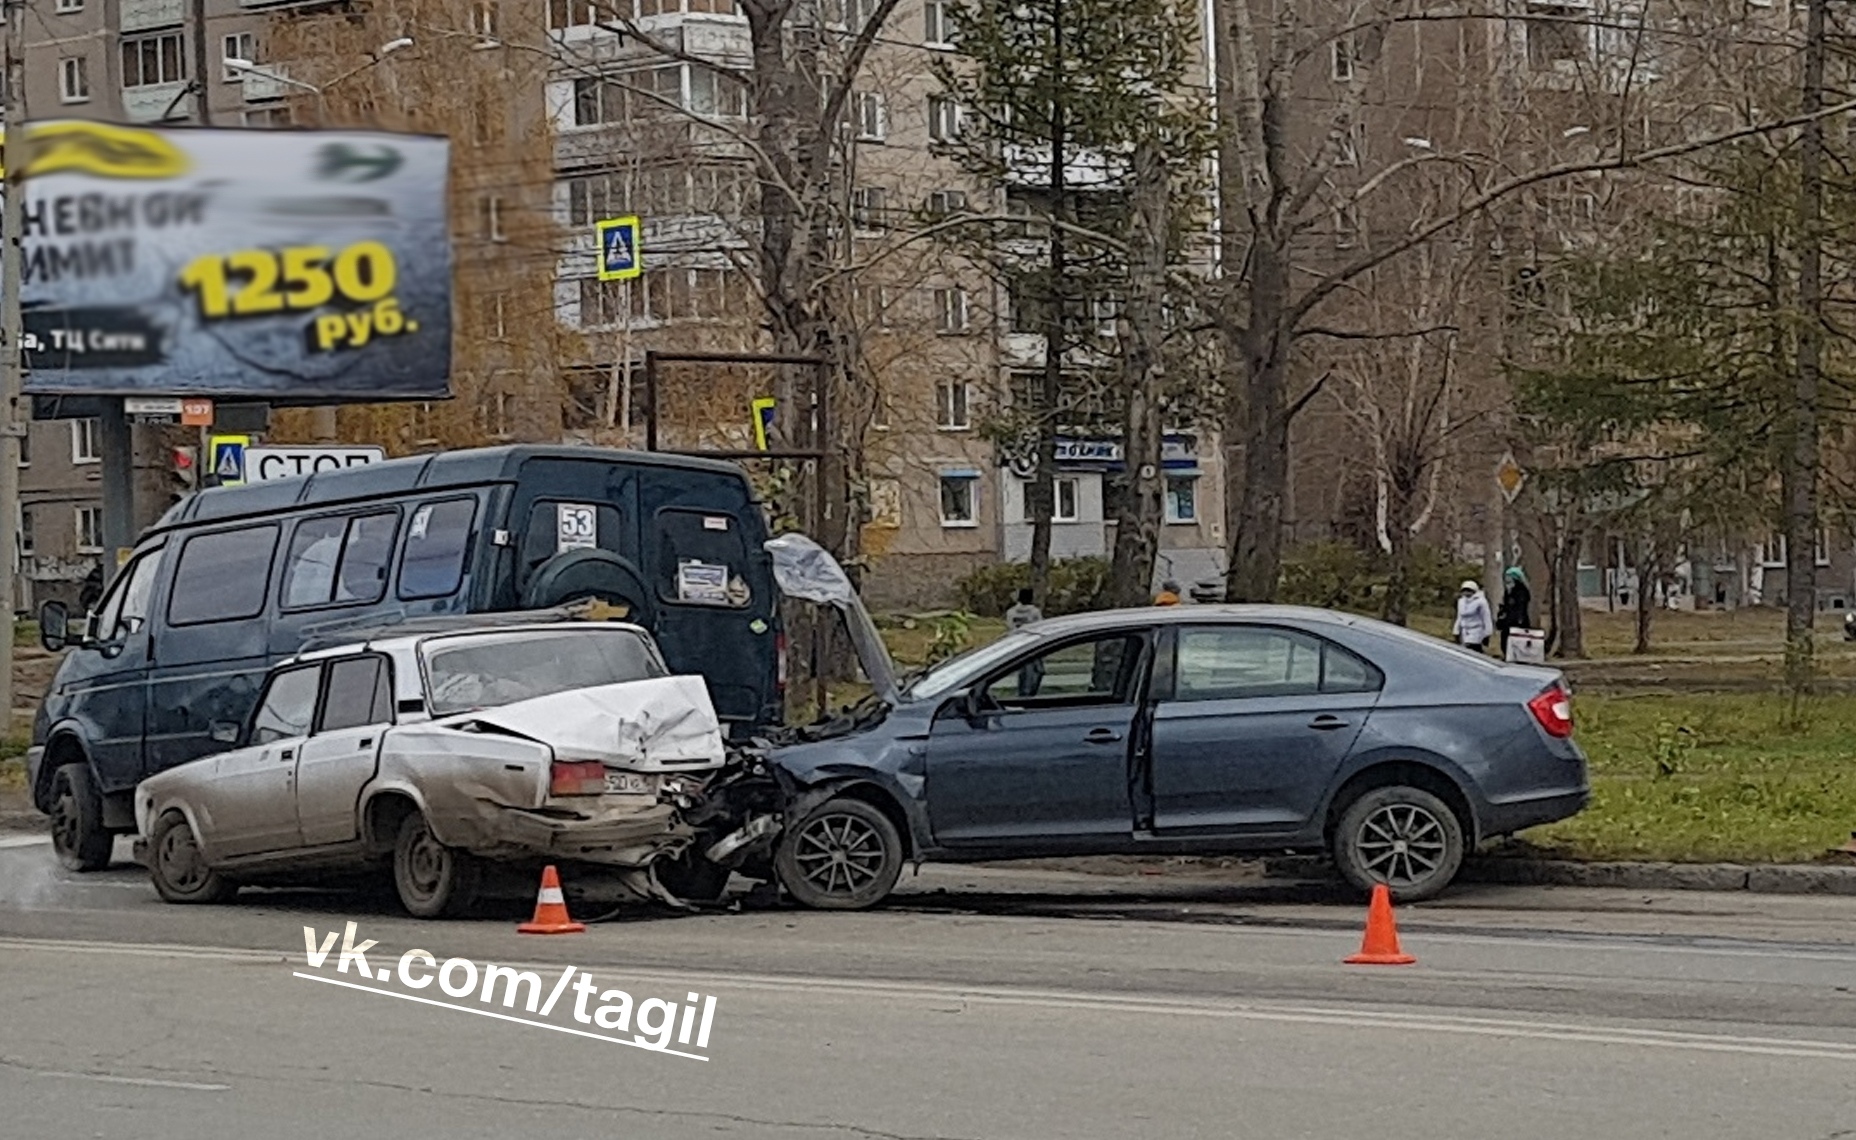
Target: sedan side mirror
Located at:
point(54, 626)
point(225, 731)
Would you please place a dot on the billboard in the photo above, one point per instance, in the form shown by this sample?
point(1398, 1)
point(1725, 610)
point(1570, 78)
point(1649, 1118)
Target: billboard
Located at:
point(257, 264)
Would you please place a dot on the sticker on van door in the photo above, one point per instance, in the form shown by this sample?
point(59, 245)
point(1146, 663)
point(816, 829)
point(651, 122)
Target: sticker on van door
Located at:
point(576, 527)
point(702, 582)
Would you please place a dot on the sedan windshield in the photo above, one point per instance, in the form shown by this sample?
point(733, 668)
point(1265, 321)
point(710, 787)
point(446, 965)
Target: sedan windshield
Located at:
point(964, 667)
point(468, 673)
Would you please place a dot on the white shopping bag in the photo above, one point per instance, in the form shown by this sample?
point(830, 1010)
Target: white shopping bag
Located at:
point(1527, 646)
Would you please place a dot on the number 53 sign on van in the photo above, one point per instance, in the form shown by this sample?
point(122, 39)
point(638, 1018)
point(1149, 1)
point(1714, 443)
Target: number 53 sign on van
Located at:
point(286, 264)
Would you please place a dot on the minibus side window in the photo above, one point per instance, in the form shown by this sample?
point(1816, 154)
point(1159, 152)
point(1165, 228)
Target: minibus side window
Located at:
point(437, 544)
point(222, 576)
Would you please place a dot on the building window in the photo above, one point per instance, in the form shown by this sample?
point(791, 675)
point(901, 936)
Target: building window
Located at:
point(714, 95)
point(951, 310)
point(240, 46)
point(1182, 498)
point(25, 533)
point(1342, 55)
point(597, 100)
point(492, 207)
point(873, 306)
point(70, 5)
point(150, 60)
point(959, 499)
point(571, 14)
point(73, 80)
point(602, 303)
point(89, 530)
point(1348, 146)
point(867, 208)
point(1064, 509)
point(492, 317)
point(885, 503)
point(950, 406)
point(1346, 227)
point(937, 29)
point(278, 116)
point(483, 18)
point(945, 119)
point(1556, 34)
point(593, 197)
point(25, 448)
point(84, 442)
point(872, 117)
point(946, 203)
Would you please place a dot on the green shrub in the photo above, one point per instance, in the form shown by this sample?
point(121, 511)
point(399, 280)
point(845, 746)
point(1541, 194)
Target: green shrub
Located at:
point(1341, 576)
point(1076, 585)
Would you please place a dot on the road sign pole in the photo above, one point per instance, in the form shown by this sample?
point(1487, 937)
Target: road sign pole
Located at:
point(116, 442)
point(12, 347)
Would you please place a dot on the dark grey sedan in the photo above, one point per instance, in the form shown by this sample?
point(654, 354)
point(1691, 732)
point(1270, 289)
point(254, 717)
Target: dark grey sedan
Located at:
point(1188, 730)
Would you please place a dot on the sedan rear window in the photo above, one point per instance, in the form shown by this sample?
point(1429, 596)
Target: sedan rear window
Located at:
point(464, 674)
point(1217, 664)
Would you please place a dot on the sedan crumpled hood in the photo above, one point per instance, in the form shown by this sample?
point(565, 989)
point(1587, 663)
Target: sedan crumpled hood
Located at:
point(804, 569)
point(663, 724)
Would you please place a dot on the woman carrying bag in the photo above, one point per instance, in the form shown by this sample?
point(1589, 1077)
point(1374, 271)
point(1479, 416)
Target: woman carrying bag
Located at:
point(1517, 608)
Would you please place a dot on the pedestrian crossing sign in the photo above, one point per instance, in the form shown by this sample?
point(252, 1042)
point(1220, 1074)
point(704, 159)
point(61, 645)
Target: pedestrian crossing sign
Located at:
point(228, 452)
point(621, 252)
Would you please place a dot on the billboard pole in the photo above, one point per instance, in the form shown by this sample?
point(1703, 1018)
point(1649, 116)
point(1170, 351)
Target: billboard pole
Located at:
point(12, 350)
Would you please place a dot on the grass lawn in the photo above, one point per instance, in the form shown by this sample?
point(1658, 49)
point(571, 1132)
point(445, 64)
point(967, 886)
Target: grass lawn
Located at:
point(1692, 777)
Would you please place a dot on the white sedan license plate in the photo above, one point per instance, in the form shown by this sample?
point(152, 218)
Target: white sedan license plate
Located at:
point(628, 783)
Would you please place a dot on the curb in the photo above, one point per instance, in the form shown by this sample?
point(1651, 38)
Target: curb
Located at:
point(1769, 879)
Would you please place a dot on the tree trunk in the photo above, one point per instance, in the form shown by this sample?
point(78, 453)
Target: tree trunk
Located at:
point(1041, 496)
point(1568, 619)
point(1648, 558)
point(1137, 522)
point(1799, 470)
point(1262, 485)
point(1400, 498)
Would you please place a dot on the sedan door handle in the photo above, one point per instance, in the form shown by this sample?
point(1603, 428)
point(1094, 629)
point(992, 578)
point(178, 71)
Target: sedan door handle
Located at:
point(365, 745)
point(287, 754)
point(1327, 721)
point(1102, 736)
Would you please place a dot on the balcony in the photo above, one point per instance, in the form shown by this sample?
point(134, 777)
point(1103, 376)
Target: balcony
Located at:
point(258, 86)
point(148, 104)
point(140, 15)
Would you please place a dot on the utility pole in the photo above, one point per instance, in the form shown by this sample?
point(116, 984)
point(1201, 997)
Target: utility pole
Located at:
point(12, 352)
point(204, 112)
point(1800, 462)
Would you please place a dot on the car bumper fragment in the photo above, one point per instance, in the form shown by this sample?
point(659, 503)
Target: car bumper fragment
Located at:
point(619, 835)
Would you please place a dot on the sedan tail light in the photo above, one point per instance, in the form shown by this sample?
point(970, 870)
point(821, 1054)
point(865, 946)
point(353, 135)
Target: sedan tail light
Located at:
point(577, 778)
point(1553, 709)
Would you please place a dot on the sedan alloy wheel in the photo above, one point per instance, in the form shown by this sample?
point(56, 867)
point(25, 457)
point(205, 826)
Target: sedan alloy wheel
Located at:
point(846, 855)
point(1401, 836)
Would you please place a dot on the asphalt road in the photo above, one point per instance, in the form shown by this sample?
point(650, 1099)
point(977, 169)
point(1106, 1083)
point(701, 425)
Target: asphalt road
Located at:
point(985, 1003)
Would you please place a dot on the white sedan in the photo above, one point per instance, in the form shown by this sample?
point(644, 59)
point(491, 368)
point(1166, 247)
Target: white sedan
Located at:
point(434, 754)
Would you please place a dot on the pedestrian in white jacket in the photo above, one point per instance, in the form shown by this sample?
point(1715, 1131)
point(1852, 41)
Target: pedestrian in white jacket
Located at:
point(1474, 623)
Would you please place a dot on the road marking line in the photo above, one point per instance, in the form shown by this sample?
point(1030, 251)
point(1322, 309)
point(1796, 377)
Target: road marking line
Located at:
point(149, 1082)
point(1105, 1002)
point(25, 841)
point(498, 1016)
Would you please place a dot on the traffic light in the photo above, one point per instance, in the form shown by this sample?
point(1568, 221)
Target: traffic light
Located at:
point(185, 474)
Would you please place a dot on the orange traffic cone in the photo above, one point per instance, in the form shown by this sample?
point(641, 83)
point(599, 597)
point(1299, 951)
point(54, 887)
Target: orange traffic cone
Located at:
point(550, 909)
point(1380, 947)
